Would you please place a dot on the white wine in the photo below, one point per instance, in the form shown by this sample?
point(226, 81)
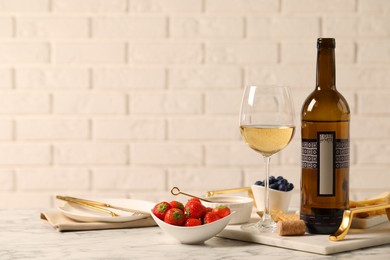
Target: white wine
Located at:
point(325, 148)
point(267, 140)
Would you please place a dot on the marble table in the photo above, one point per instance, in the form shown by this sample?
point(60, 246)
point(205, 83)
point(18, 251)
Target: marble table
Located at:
point(24, 236)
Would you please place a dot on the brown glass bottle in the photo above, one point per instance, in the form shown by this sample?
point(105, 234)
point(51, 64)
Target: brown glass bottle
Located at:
point(325, 148)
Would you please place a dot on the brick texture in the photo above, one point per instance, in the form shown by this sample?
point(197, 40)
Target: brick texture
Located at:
point(6, 27)
point(89, 6)
point(52, 79)
point(92, 103)
point(165, 6)
point(90, 153)
point(129, 27)
point(52, 27)
point(5, 79)
point(89, 53)
point(128, 129)
point(165, 52)
point(127, 98)
point(129, 78)
point(33, 6)
point(24, 53)
point(242, 6)
point(52, 129)
point(207, 27)
point(168, 103)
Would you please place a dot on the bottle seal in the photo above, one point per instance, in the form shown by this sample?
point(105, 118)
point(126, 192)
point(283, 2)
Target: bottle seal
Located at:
point(329, 43)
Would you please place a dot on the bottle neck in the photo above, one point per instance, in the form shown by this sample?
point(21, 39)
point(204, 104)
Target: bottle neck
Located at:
point(326, 69)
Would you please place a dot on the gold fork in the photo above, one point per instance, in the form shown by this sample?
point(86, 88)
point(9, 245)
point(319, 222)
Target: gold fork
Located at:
point(101, 206)
point(347, 219)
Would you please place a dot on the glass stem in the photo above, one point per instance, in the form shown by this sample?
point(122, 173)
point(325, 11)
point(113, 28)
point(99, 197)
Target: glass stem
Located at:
point(266, 216)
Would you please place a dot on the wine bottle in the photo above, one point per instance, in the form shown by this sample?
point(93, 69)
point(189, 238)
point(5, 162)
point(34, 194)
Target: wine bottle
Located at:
point(325, 148)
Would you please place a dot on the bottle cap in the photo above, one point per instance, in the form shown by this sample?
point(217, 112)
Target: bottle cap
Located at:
point(326, 43)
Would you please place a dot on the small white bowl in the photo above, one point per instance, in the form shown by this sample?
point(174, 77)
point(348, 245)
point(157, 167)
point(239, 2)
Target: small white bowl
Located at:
point(278, 200)
point(241, 205)
point(196, 234)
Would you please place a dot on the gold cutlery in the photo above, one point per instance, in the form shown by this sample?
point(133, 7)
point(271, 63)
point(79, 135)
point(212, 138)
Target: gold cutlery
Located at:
point(227, 191)
point(349, 214)
point(100, 206)
point(88, 206)
point(233, 190)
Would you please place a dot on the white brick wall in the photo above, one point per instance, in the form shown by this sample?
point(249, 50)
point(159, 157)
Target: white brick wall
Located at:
point(127, 98)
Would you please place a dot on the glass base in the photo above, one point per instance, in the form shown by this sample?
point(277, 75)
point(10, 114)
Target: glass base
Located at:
point(268, 226)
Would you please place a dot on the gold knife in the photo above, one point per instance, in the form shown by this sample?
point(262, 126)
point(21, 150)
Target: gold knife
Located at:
point(100, 205)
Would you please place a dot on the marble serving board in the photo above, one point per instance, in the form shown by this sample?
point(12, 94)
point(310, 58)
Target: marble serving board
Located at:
point(319, 244)
point(369, 221)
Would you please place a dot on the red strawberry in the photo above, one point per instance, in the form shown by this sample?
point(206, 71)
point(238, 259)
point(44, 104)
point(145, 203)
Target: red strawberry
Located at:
point(194, 209)
point(209, 209)
point(210, 217)
point(194, 199)
point(222, 211)
point(191, 222)
point(175, 217)
point(160, 209)
point(176, 204)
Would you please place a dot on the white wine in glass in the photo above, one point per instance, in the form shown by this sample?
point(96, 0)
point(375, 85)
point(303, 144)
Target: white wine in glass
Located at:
point(268, 139)
point(267, 126)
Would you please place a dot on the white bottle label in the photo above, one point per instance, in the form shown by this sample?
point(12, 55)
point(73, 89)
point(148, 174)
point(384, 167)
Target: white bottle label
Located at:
point(325, 155)
point(326, 167)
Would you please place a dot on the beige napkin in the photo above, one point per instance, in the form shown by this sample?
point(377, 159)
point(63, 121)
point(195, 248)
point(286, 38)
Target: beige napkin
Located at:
point(62, 223)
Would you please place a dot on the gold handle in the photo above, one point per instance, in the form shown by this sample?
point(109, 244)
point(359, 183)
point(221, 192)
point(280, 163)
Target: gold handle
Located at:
point(348, 216)
point(227, 191)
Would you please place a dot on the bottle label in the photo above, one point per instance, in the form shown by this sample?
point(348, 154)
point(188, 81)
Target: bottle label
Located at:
point(325, 154)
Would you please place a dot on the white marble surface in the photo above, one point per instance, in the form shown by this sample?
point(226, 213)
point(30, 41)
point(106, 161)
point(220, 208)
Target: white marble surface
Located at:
point(24, 236)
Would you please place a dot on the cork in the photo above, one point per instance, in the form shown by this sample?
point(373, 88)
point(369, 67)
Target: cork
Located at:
point(291, 228)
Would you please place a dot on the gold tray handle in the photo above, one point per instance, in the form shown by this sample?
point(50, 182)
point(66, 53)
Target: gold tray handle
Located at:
point(348, 216)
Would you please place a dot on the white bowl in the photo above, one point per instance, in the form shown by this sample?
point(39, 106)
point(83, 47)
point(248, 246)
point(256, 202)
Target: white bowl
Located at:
point(241, 205)
point(196, 234)
point(278, 200)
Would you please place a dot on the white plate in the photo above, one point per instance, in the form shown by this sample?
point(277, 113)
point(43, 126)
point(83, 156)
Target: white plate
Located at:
point(84, 214)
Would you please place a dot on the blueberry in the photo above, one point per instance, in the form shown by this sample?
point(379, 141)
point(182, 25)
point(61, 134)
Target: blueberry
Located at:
point(274, 186)
point(283, 181)
point(271, 180)
point(282, 187)
point(260, 183)
point(290, 186)
point(279, 178)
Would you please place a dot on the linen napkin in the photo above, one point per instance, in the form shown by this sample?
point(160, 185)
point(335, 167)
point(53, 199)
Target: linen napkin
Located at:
point(62, 223)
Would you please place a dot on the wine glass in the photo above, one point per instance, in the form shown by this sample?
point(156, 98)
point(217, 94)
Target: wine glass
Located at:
point(267, 126)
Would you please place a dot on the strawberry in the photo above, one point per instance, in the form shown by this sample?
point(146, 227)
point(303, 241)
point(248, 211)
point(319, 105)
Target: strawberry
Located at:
point(209, 209)
point(176, 204)
point(160, 209)
point(175, 217)
point(194, 199)
point(191, 222)
point(211, 217)
point(194, 209)
point(222, 211)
